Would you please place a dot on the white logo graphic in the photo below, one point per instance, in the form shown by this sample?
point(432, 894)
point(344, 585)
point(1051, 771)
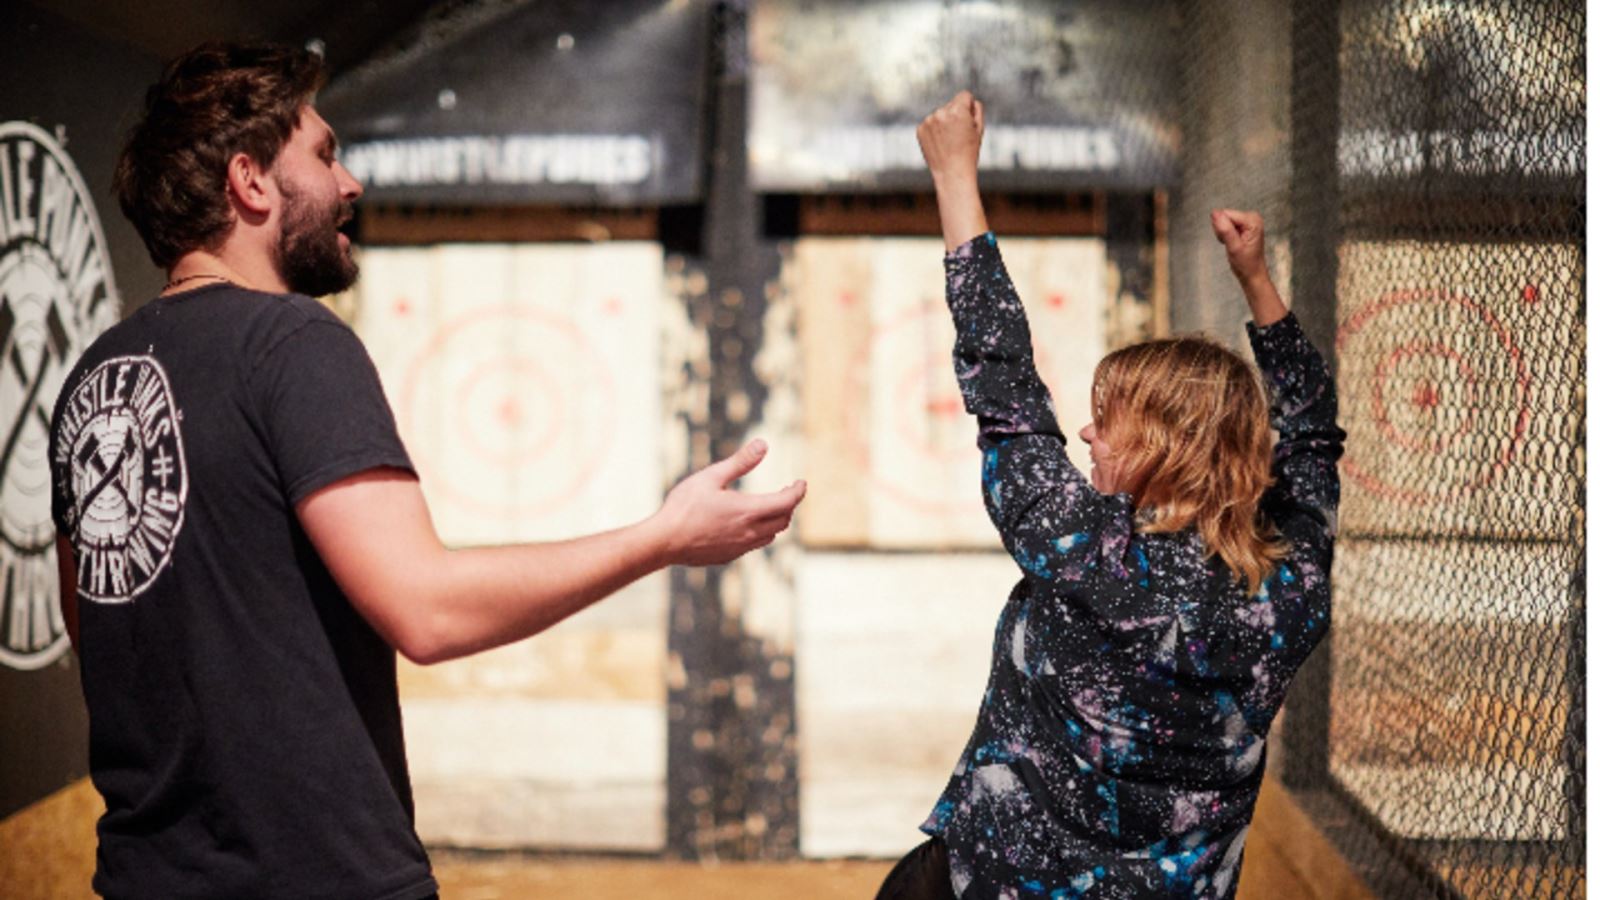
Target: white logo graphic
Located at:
point(120, 446)
point(56, 296)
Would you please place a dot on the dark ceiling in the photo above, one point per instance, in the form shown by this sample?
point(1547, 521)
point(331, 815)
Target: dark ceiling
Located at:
point(350, 30)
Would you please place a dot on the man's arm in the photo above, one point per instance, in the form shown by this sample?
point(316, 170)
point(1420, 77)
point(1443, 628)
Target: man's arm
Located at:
point(67, 569)
point(432, 604)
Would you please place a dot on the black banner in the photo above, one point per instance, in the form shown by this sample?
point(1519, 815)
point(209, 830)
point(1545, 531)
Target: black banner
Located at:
point(1077, 93)
point(551, 102)
point(1462, 100)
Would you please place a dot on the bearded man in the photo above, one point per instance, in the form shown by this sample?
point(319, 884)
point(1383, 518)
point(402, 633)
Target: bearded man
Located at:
point(243, 543)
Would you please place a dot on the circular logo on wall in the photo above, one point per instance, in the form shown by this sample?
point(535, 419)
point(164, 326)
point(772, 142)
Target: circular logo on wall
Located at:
point(56, 296)
point(120, 447)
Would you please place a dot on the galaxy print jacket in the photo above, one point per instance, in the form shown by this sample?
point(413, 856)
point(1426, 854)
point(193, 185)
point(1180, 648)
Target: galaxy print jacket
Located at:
point(1120, 744)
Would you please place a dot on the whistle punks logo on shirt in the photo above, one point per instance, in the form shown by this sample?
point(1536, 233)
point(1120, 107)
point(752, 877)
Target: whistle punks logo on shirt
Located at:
point(56, 296)
point(120, 442)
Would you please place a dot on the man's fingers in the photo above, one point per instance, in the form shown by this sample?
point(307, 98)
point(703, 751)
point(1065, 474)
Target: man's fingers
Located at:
point(977, 108)
point(788, 498)
point(775, 522)
point(739, 464)
point(777, 503)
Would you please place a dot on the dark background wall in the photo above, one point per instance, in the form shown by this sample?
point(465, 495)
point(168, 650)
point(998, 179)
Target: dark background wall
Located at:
point(84, 90)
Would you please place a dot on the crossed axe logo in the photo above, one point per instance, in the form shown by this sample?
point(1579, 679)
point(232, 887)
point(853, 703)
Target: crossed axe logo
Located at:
point(106, 478)
point(32, 378)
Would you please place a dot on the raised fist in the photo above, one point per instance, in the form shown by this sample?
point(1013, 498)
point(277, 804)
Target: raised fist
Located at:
point(1244, 236)
point(951, 135)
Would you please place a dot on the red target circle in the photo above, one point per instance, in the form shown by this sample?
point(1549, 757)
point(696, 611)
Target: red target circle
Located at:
point(490, 383)
point(945, 405)
point(1382, 397)
point(1426, 396)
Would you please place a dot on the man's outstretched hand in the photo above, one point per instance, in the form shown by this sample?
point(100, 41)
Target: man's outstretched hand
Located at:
point(705, 522)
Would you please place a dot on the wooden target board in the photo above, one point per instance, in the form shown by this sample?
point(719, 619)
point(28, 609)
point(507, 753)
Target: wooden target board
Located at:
point(891, 451)
point(1460, 378)
point(892, 655)
point(1460, 385)
point(527, 386)
point(525, 380)
point(1470, 751)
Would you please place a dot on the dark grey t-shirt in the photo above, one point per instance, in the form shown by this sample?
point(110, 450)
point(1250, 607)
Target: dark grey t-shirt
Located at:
point(244, 720)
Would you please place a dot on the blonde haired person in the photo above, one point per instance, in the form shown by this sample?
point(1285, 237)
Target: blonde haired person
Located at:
point(1167, 599)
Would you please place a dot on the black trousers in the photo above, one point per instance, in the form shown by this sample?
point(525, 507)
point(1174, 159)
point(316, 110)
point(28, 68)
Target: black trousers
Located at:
point(922, 874)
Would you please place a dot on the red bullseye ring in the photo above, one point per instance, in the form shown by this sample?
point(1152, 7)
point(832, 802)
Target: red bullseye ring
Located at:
point(931, 379)
point(511, 386)
point(1428, 398)
point(528, 378)
point(1491, 470)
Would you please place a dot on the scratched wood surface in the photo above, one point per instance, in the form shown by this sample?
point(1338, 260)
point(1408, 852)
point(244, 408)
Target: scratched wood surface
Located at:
point(891, 662)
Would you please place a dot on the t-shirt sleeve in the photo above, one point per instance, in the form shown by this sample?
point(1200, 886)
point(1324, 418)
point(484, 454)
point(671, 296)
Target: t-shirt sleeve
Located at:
point(322, 409)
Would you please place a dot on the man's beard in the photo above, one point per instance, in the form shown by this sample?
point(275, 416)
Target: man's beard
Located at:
point(309, 258)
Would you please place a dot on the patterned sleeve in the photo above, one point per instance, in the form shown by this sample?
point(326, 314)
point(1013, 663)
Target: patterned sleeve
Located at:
point(1304, 408)
point(1050, 518)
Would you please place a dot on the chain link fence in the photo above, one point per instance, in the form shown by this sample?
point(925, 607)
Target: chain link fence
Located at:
point(1421, 164)
point(1456, 697)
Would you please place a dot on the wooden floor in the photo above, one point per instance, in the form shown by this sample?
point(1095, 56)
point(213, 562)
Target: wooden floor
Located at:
point(613, 879)
point(47, 853)
point(1285, 859)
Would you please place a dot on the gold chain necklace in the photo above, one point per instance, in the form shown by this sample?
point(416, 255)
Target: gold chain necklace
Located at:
point(177, 281)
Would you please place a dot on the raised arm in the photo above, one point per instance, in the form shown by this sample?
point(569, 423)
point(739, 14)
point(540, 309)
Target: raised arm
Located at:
point(1300, 388)
point(1051, 520)
point(950, 138)
point(1244, 236)
point(374, 533)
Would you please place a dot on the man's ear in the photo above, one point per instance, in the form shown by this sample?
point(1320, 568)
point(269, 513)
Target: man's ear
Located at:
point(250, 188)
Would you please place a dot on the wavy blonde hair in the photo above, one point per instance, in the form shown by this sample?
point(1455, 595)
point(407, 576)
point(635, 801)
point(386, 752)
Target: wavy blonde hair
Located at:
point(1186, 421)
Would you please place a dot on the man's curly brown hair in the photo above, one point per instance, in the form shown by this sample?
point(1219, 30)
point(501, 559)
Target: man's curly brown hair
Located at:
point(216, 101)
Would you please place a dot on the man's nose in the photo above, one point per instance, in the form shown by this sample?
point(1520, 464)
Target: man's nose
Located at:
point(349, 187)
